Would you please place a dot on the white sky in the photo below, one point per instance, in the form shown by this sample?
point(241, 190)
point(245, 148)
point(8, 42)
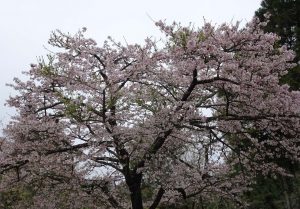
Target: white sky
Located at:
point(25, 25)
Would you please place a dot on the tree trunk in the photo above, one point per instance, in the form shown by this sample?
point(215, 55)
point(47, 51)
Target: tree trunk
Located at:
point(134, 184)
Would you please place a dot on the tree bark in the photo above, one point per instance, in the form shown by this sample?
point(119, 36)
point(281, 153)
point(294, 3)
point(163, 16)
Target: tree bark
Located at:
point(134, 184)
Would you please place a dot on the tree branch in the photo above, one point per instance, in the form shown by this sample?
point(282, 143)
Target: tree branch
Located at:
point(157, 199)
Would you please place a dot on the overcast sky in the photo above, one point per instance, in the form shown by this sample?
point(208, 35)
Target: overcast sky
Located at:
point(25, 25)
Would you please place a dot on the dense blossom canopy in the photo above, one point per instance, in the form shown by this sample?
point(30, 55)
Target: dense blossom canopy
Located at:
point(97, 127)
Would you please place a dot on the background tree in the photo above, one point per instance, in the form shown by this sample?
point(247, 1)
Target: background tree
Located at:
point(96, 125)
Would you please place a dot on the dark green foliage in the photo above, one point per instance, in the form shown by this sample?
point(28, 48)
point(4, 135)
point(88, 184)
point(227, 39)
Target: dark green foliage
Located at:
point(10, 198)
point(274, 193)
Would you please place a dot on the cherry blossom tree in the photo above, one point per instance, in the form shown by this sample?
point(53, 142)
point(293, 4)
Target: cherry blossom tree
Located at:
point(98, 126)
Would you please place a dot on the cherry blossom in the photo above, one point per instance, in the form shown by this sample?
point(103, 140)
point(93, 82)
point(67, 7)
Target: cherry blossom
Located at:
point(96, 125)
